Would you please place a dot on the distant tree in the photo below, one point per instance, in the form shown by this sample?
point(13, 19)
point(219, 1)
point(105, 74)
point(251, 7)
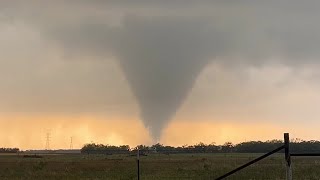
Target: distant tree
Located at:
point(104, 149)
point(200, 147)
point(227, 147)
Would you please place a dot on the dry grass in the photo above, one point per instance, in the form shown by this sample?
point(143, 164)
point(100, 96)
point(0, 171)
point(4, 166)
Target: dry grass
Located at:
point(181, 166)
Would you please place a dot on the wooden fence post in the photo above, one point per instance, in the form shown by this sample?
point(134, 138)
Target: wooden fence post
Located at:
point(287, 156)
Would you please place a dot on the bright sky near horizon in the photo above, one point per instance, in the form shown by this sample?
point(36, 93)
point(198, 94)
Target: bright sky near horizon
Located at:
point(138, 72)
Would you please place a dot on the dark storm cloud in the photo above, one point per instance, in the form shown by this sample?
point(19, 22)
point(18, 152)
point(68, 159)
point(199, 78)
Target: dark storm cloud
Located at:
point(162, 46)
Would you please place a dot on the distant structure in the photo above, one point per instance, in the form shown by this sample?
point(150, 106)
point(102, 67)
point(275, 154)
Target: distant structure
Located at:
point(71, 143)
point(48, 138)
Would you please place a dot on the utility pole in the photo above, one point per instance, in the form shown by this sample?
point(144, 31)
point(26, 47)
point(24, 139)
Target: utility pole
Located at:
point(71, 142)
point(48, 138)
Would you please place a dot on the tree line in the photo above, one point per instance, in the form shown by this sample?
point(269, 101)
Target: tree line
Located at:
point(104, 149)
point(9, 150)
point(296, 146)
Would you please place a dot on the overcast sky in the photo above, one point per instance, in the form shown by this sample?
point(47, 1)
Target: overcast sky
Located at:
point(161, 62)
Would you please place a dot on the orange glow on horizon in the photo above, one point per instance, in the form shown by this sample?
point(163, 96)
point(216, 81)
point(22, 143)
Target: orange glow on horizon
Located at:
point(30, 132)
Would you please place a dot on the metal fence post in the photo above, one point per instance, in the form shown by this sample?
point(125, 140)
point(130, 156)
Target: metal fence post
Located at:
point(138, 163)
point(287, 156)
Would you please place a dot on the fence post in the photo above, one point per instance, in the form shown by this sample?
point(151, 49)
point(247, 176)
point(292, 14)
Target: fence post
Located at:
point(138, 163)
point(287, 156)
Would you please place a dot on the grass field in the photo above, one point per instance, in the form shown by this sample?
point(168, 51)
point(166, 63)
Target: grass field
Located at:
point(180, 166)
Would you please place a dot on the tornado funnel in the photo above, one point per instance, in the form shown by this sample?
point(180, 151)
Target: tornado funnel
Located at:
point(161, 59)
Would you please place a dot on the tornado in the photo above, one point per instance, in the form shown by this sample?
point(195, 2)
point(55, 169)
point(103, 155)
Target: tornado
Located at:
point(161, 58)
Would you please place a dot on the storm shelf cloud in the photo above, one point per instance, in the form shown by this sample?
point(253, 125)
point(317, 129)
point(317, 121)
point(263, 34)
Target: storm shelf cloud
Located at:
point(163, 46)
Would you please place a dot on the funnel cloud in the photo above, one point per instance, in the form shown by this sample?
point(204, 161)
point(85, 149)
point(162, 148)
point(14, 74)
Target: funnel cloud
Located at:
point(161, 59)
